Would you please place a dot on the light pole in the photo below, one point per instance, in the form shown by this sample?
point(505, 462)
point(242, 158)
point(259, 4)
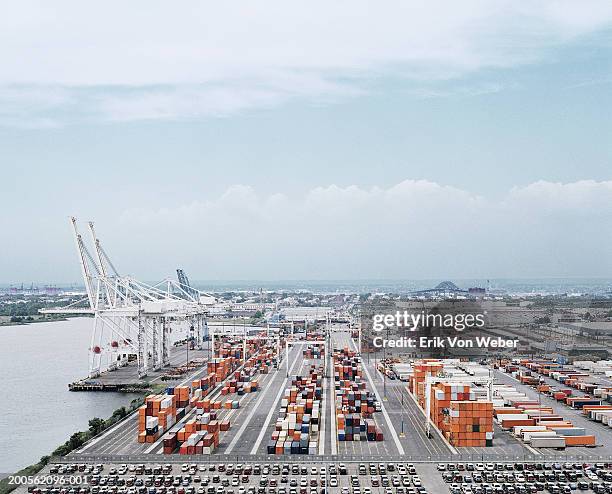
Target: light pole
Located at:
point(539, 400)
point(287, 356)
point(369, 348)
point(244, 341)
point(191, 329)
point(384, 370)
point(401, 434)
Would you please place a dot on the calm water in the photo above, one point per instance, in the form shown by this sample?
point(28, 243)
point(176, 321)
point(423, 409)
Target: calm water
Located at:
point(38, 413)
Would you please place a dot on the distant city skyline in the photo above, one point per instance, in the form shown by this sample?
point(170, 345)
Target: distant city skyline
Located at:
point(496, 287)
point(327, 141)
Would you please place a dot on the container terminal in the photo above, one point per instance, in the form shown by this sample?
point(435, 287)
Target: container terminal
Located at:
point(310, 399)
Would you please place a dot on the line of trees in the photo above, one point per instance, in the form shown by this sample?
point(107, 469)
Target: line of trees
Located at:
point(76, 440)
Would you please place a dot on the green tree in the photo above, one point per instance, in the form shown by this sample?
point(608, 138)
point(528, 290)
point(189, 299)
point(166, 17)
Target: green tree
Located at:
point(120, 413)
point(76, 440)
point(96, 425)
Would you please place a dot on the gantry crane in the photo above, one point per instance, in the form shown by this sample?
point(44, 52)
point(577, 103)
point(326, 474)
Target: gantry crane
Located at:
point(130, 313)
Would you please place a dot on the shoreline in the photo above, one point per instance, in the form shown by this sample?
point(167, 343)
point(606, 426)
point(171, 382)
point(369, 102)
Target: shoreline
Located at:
point(97, 426)
point(25, 321)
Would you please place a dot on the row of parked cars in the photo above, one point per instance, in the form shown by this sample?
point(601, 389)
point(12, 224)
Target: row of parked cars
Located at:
point(229, 478)
point(527, 478)
point(230, 468)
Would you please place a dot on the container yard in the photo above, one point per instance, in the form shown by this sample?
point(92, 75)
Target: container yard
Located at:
point(297, 396)
point(294, 386)
point(325, 398)
point(319, 398)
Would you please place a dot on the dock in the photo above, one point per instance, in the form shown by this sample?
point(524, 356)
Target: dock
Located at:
point(125, 379)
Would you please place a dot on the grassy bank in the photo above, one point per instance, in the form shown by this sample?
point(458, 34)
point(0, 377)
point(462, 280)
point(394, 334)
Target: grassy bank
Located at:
point(96, 426)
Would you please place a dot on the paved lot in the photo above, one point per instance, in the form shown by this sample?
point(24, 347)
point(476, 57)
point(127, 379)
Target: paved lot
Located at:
point(230, 478)
point(308, 475)
point(603, 434)
point(401, 420)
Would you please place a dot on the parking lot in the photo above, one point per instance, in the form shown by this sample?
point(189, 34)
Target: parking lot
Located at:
point(230, 478)
point(312, 477)
point(525, 478)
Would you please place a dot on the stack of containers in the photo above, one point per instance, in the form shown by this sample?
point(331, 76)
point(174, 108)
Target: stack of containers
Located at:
point(201, 388)
point(231, 404)
point(243, 382)
point(580, 402)
point(206, 405)
point(297, 427)
point(352, 427)
point(601, 414)
point(156, 416)
point(470, 423)
point(198, 438)
point(200, 435)
point(222, 367)
point(205, 384)
point(233, 350)
point(314, 351)
point(423, 368)
point(182, 394)
point(264, 359)
point(170, 443)
point(457, 410)
point(353, 403)
point(442, 394)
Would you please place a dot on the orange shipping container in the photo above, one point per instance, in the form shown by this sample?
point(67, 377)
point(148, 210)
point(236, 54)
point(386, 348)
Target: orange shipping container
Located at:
point(579, 440)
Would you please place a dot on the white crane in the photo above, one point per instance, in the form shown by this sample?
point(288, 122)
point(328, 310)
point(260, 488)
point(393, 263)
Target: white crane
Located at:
point(130, 313)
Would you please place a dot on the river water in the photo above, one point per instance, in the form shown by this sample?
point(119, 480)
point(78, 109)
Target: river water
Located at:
point(38, 413)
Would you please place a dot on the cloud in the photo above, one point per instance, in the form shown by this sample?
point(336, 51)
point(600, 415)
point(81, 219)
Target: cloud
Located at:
point(154, 60)
point(414, 229)
point(576, 198)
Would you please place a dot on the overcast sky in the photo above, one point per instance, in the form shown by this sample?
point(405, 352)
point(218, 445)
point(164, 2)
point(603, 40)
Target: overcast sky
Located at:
point(314, 140)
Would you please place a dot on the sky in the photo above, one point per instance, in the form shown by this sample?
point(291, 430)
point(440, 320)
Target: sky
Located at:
point(282, 140)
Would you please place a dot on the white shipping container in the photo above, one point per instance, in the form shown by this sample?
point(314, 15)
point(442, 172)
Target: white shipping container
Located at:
point(517, 430)
point(535, 413)
point(548, 442)
point(569, 431)
point(511, 416)
point(601, 415)
point(151, 422)
point(527, 436)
